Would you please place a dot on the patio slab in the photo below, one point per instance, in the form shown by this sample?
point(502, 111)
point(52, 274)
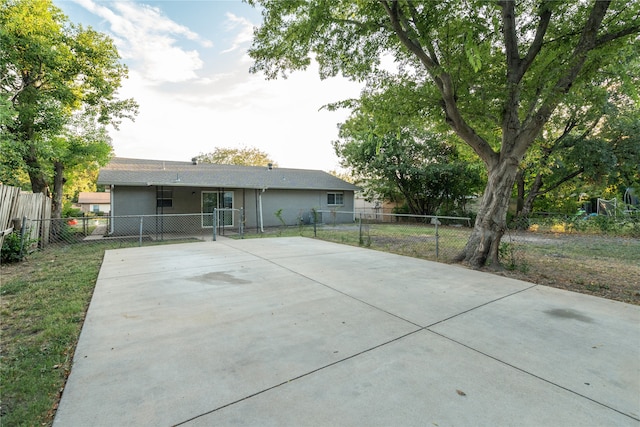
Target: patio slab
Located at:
point(296, 331)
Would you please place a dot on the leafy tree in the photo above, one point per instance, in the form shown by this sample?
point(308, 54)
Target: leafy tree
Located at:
point(598, 153)
point(53, 72)
point(83, 145)
point(592, 140)
point(245, 156)
point(495, 72)
point(385, 143)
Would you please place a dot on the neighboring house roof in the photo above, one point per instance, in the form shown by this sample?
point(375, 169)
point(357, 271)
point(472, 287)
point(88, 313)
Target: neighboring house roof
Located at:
point(94, 198)
point(139, 172)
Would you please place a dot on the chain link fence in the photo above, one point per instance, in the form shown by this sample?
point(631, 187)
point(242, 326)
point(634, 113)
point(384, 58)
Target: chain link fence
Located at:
point(597, 255)
point(438, 238)
point(128, 230)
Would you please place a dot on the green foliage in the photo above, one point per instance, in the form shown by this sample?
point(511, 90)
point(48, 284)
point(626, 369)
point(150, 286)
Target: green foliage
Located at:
point(62, 81)
point(71, 212)
point(278, 215)
point(12, 248)
point(245, 156)
point(386, 144)
point(589, 154)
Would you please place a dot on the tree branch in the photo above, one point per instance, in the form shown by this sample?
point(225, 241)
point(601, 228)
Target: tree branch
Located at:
point(562, 181)
point(444, 84)
point(510, 39)
point(536, 45)
point(606, 38)
point(534, 123)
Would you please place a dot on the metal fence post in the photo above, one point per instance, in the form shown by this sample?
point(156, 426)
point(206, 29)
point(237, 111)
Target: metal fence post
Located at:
point(214, 223)
point(437, 238)
point(22, 232)
point(360, 229)
point(314, 214)
point(140, 233)
point(242, 223)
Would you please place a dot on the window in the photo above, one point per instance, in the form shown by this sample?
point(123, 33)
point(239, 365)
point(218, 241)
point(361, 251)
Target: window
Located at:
point(164, 198)
point(335, 199)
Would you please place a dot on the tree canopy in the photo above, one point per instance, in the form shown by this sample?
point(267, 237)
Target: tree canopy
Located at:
point(245, 156)
point(494, 72)
point(54, 74)
point(386, 144)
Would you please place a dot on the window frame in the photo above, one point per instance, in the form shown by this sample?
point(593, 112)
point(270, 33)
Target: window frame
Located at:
point(161, 200)
point(335, 195)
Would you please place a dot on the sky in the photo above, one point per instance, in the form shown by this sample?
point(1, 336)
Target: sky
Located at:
point(189, 73)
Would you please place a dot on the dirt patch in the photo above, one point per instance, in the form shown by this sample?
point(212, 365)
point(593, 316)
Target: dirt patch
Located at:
point(603, 278)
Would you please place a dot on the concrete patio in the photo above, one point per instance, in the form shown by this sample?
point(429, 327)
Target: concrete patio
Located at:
point(302, 332)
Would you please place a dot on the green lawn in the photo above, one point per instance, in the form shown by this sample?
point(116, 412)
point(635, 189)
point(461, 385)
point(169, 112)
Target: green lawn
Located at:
point(44, 300)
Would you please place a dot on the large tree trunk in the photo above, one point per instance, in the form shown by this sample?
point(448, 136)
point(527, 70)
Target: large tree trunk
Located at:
point(37, 177)
point(526, 199)
point(58, 186)
point(491, 222)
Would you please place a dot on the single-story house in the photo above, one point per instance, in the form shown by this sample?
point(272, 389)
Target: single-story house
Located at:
point(267, 195)
point(94, 202)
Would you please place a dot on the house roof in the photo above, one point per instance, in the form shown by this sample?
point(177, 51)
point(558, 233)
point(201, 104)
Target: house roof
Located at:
point(138, 172)
point(95, 198)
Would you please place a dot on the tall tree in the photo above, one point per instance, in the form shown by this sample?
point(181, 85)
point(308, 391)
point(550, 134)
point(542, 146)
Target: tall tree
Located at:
point(592, 138)
point(386, 143)
point(245, 156)
point(495, 70)
point(49, 69)
point(603, 152)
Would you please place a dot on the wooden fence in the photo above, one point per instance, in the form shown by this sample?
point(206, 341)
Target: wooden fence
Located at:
point(17, 205)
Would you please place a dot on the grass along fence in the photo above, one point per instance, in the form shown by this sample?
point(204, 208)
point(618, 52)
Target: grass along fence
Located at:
point(599, 259)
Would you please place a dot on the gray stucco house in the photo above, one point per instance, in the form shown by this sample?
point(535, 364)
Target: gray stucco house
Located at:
point(156, 187)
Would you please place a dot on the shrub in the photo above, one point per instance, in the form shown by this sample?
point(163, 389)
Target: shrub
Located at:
point(12, 248)
point(71, 212)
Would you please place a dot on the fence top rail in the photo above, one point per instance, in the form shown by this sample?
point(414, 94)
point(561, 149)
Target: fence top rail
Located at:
point(394, 215)
point(121, 216)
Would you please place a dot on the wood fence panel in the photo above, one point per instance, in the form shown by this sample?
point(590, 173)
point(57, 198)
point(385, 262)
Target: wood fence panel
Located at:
point(30, 206)
point(35, 208)
point(8, 199)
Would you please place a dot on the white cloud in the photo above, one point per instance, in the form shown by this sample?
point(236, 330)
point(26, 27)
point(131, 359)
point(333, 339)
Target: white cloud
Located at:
point(280, 117)
point(147, 39)
point(184, 112)
point(243, 36)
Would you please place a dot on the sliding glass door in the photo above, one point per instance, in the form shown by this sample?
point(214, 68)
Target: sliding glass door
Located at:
point(217, 200)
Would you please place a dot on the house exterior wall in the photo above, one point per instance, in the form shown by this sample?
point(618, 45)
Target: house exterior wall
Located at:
point(295, 206)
